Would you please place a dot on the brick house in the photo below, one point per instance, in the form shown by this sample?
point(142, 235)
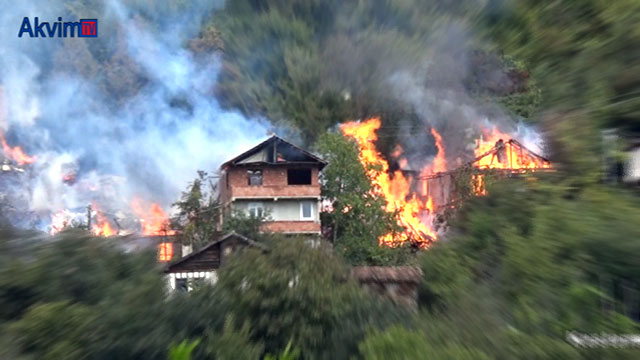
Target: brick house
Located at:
point(278, 179)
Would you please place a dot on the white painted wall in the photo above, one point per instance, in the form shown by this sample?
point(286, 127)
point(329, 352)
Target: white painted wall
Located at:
point(211, 276)
point(283, 209)
point(632, 167)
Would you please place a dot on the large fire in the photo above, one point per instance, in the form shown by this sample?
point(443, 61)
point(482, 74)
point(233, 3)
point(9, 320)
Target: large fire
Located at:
point(413, 214)
point(494, 150)
point(439, 163)
point(15, 153)
point(508, 153)
point(101, 227)
point(153, 219)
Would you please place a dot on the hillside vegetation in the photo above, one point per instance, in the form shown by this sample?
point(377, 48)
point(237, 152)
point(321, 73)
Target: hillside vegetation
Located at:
point(520, 268)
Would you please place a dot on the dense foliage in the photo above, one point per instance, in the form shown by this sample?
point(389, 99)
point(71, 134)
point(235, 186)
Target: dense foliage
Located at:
point(197, 212)
point(80, 297)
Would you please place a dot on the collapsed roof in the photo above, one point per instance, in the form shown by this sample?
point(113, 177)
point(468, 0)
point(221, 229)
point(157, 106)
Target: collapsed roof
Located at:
point(502, 152)
point(275, 151)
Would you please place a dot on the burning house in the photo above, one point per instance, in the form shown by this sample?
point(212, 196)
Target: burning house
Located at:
point(275, 179)
point(419, 196)
point(508, 157)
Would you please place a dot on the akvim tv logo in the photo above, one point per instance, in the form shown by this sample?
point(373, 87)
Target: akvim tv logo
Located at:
point(82, 28)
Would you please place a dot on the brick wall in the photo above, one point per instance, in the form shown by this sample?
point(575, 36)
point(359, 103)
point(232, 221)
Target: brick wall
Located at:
point(291, 226)
point(274, 184)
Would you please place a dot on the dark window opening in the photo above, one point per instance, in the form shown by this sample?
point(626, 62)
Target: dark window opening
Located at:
point(255, 177)
point(181, 285)
point(299, 176)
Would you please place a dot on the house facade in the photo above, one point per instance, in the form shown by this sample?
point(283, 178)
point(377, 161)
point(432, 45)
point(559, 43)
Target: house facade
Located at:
point(275, 179)
point(631, 167)
point(201, 266)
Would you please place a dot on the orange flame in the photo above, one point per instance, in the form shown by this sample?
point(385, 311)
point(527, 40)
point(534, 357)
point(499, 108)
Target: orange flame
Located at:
point(477, 184)
point(102, 227)
point(506, 155)
point(165, 251)
point(495, 150)
point(15, 153)
point(439, 162)
point(153, 219)
point(415, 216)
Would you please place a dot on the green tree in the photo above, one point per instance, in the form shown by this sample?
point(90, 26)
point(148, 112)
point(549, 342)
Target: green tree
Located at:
point(232, 343)
point(400, 343)
point(183, 350)
point(198, 213)
point(249, 225)
point(299, 293)
point(357, 216)
point(56, 330)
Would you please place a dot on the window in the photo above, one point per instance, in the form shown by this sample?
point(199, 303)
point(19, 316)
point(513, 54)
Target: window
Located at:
point(306, 210)
point(165, 251)
point(189, 281)
point(182, 286)
point(255, 177)
point(299, 176)
point(256, 209)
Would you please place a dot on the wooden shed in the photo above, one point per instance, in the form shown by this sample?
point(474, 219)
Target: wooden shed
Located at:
point(200, 266)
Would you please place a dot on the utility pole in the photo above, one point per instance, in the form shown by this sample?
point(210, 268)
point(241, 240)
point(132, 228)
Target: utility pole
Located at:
point(89, 217)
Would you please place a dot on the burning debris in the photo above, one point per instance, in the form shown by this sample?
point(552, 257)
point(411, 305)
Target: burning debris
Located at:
point(141, 136)
point(15, 153)
point(496, 153)
point(153, 220)
point(417, 208)
point(414, 214)
point(14, 158)
point(147, 219)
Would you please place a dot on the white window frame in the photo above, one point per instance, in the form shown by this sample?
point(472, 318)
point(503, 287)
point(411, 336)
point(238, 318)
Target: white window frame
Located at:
point(311, 215)
point(256, 205)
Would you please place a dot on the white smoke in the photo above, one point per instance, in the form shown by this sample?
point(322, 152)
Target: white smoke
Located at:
point(152, 142)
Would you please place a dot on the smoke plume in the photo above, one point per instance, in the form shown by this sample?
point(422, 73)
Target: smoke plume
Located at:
point(146, 139)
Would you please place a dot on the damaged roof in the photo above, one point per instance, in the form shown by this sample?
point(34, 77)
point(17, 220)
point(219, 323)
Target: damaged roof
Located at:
point(276, 150)
point(521, 150)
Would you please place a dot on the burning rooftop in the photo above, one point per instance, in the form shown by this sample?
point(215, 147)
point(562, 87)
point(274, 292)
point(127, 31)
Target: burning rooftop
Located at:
point(417, 196)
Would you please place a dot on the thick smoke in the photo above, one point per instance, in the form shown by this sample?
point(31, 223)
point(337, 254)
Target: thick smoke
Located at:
point(437, 90)
point(148, 143)
point(425, 82)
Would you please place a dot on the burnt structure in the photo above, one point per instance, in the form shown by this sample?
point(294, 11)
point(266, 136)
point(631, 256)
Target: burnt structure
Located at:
point(276, 179)
point(507, 157)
